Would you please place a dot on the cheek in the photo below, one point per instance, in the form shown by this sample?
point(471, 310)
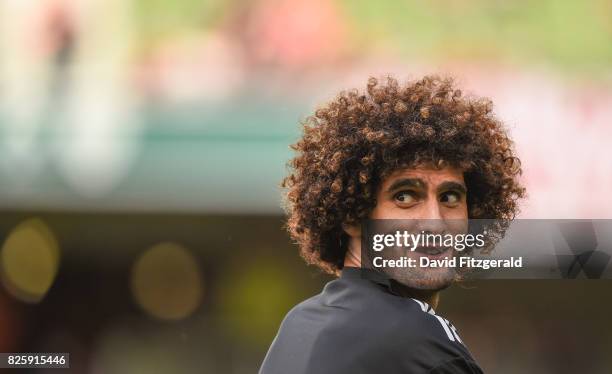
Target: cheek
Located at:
point(460, 212)
point(389, 210)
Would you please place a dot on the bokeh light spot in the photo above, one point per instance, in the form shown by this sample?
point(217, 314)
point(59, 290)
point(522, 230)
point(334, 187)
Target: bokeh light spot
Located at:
point(166, 282)
point(29, 260)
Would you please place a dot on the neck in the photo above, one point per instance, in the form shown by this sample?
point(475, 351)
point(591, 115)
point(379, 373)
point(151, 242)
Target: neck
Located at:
point(353, 259)
point(427, 296)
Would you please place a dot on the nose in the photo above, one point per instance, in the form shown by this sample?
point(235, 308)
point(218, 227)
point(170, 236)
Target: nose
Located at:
point(430, 219)
point(431, 210)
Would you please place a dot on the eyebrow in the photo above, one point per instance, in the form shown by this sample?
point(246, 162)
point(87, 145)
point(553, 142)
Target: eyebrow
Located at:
point(407, 182)
point(419, 183)
point(449, 185)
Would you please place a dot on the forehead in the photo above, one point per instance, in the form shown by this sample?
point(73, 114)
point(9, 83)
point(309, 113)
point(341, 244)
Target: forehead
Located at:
point(430, 175)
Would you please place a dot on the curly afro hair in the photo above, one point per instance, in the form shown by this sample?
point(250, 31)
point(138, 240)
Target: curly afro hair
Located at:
point(357, 139)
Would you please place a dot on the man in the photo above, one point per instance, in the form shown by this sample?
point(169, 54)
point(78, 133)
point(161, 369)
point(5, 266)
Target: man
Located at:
point(418, 151)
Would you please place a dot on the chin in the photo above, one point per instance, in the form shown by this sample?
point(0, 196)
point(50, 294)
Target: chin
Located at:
point(430, 285)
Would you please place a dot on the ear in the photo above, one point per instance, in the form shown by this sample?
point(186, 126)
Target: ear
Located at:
point(353, 230)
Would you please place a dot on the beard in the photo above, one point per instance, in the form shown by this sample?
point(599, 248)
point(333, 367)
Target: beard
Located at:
point(421, 278)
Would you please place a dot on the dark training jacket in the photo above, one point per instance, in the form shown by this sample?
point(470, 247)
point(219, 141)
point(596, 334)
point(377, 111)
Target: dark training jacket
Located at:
point(358, 325)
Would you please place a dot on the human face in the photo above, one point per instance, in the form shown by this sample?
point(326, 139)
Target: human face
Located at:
point(430, 200)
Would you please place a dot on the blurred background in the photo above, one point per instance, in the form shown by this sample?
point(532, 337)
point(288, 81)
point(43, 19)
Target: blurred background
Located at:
point(142, 144)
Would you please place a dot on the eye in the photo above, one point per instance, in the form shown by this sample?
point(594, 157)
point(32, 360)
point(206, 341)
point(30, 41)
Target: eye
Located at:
point(405, 197)
point(450, 198)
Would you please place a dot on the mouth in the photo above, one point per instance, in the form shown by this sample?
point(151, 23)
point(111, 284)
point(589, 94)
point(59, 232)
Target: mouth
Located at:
point(433, 251)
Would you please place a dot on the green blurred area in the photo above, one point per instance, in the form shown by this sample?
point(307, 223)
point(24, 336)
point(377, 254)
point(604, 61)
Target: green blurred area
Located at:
point(159, 19)
point(573, 35)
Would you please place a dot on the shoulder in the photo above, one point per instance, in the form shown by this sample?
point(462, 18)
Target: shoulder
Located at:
point(410, 322)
